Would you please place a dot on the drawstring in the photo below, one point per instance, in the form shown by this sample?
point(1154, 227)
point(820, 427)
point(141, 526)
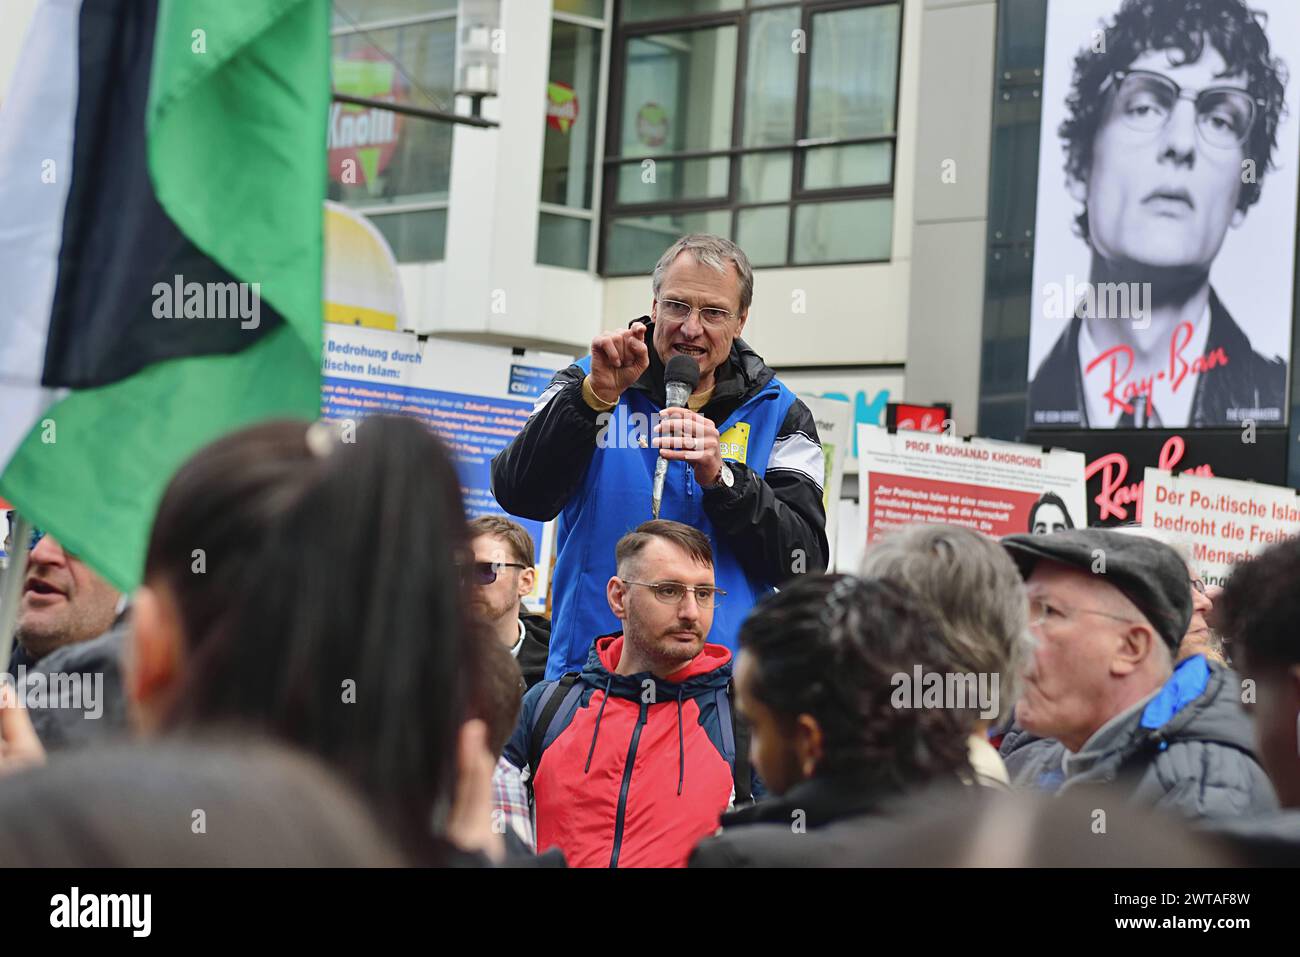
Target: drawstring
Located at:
point(681, 745)
point(596, 730)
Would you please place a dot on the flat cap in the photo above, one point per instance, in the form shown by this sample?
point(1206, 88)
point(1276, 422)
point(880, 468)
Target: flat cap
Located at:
point(1149, 573)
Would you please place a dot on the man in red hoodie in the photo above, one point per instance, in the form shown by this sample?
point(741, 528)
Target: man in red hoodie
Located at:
point(631, 762)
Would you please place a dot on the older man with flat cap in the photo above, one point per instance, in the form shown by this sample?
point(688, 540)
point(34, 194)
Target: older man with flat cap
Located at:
point(1107, 612)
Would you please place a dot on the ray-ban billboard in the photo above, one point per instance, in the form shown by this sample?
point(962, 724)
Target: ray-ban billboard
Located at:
point(1166, 215)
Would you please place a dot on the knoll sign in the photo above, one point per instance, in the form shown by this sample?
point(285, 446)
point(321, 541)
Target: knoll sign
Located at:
point(1118, 459)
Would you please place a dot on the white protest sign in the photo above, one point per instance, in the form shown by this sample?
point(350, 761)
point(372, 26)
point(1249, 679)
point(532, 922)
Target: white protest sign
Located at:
point(1225, 521)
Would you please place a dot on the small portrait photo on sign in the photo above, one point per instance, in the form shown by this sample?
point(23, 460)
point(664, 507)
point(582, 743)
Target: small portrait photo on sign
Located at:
point(1048, 515)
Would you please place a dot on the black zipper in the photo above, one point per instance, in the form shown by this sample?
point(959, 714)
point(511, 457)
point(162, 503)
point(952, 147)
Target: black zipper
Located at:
point(627, 781)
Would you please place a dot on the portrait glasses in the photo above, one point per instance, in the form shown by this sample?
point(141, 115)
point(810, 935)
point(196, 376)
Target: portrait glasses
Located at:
point(1145, 101)
point(1043, 610)
point(672, 593)
point(681, 311)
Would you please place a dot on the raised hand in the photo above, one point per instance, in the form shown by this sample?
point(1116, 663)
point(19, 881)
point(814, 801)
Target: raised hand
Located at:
point(617, 360)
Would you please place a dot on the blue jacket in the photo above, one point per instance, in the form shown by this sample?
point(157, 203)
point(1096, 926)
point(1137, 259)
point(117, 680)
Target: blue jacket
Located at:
point(594, 473)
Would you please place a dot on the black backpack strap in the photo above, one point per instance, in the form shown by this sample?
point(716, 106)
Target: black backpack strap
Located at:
point(555, 698)
point(741, 773)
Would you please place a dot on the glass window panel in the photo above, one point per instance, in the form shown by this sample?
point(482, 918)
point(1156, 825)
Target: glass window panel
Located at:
point(563, 241)
point(853, 73)
point(762, 234)
point(353, 12)
point(862, 164)
point(856, 231)
point(588, 8)
point(635, 11)
point(771, 78)
point(673, 179)
point(569, 141)
point(634, 245)
point(376, 156)
point(765, 177)
point(679, 91)
point(419, 236)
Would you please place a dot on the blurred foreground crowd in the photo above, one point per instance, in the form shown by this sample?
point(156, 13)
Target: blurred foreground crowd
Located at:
point(327, 665)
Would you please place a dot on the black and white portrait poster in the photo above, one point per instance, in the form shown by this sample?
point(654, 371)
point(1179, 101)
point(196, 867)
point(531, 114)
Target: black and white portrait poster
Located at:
point(1166, 218)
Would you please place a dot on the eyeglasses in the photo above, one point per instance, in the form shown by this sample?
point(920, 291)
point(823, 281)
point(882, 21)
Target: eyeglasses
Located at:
point(681, 311)
point(485, 573)
point(1199, 586)
point(1042, 611)
point(671, 593)
point(1146, 101)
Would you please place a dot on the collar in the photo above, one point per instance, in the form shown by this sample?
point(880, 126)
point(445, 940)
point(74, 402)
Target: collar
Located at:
point(1173, 405)
point(985, 761)
point(823, 799)
point(520, 643)
point(1109, 737)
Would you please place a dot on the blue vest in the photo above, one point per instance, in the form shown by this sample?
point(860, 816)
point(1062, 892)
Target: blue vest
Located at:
point(614, 498)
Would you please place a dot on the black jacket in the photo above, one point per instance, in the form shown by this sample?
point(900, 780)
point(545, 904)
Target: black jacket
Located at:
point(1248, 381)
point(817, 823)
point(767, 519)
point(536, 646)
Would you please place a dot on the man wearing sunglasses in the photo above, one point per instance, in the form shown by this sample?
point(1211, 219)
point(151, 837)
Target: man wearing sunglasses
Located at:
point(500, 578)
point(745, 465)
point(1108, 612)
point(1173, 124)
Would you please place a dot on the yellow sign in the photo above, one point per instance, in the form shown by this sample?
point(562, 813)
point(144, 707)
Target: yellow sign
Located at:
point(362, 284)
point(735, 442)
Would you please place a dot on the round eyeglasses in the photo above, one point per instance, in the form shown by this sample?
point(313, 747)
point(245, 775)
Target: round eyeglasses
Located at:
point(1043, 612)
point(672, 593)
point(1145, 102)
point(681, 311)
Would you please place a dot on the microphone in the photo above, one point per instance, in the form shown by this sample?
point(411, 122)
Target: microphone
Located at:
point(680, 379)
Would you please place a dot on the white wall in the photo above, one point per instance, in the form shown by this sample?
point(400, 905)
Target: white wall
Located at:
point(853, 315)
point(956, 104)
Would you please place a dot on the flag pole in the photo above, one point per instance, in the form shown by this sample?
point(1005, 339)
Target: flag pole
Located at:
point(11, 585)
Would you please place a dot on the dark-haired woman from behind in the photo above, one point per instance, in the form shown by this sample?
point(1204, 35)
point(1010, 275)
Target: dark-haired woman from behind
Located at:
point(817, 681)
point(307, 588)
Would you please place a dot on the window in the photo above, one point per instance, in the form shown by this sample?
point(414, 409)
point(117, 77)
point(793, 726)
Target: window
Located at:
point(570, 175)
point(394, 168)
point(772, 122)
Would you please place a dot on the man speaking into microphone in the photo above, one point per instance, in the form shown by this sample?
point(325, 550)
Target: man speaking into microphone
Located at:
point(743, 461)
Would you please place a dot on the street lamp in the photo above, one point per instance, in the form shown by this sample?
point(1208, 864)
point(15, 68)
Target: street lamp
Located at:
point(479, 44)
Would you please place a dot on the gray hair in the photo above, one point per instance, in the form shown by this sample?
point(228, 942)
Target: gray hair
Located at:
point(975, 590)
point(712, 251)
